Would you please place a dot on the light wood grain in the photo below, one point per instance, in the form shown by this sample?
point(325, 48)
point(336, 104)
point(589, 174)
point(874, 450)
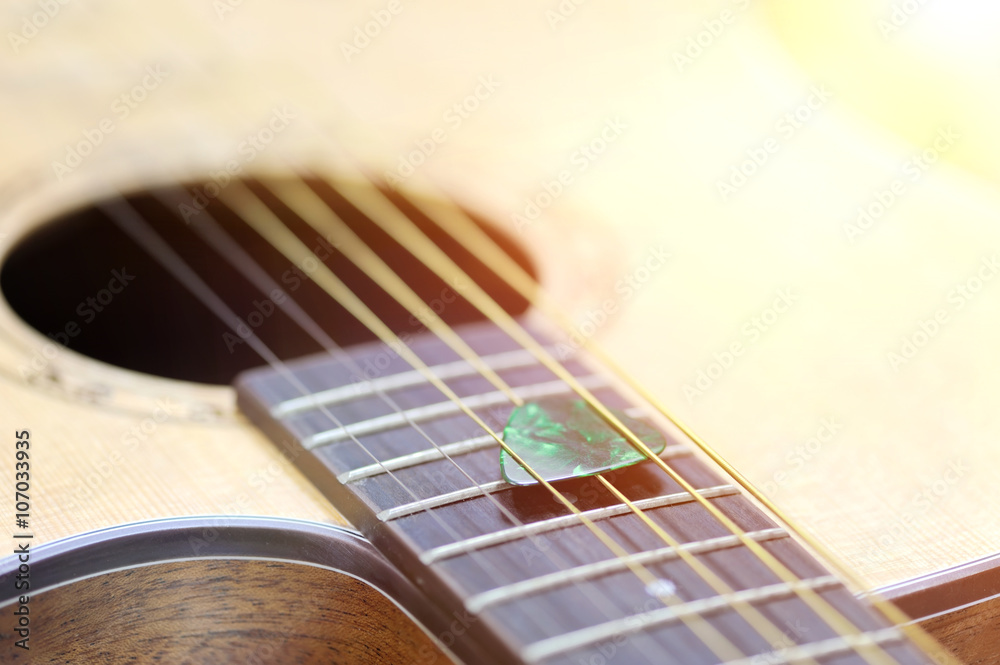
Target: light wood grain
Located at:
point(654, 186)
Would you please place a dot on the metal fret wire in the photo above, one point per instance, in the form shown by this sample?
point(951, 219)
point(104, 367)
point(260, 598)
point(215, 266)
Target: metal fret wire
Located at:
point(456, 448)
point(439, 409)
point(131, 223)
point(213, 234)
point(533, 585)
point(255, 213)
point(442, 552)
point(459, 495)
point(570, 641)
point(452, 370)
point(456, 222)
point(312, 209)
point(378, 208)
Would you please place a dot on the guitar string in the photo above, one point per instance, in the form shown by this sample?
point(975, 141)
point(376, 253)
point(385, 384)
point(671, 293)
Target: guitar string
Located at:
point(262, 220)
point(521, 462)
point(383, 212)
point(204, 293)
point(455, 220)
point(132, 224)
point(310, 207)
point(216, 237)
point(641, 447)
point(888, 609)
point(830, 615)
point(363, 257)
point(572, 508)
point(381, 209)
point(128, 220)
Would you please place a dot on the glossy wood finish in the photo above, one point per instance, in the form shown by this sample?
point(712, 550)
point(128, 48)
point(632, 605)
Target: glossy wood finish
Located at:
point(329, 559)
point(215, 611)
point(970, 632)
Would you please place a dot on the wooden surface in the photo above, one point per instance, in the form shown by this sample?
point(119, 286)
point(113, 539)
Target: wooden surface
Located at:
point(220, 611)
point(382, 507)
point(655, 186)
point(969, 632)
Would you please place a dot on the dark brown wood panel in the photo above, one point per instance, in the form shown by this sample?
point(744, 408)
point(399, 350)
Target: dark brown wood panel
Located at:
point(225, 611)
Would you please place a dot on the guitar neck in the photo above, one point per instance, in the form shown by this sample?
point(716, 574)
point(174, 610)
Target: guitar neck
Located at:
point(524, 578)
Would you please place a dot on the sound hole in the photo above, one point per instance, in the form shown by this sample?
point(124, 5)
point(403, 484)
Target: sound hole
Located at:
point(85, 284)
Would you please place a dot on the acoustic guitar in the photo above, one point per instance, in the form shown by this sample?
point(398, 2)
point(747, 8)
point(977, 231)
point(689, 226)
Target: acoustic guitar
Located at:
point(565, 334)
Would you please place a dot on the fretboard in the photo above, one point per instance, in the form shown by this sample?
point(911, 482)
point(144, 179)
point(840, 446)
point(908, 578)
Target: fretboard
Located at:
point(523, 577)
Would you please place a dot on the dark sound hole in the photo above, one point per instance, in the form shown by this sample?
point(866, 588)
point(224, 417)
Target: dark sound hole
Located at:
point(87, 285)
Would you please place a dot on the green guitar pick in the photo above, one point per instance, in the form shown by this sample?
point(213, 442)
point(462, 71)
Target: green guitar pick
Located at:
point(561, 438)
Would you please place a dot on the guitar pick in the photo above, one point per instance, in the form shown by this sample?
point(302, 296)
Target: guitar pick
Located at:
point(561, 438)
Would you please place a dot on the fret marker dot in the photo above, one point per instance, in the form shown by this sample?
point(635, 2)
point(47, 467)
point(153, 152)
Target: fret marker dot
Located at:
point(661, 588)
point(560, 439)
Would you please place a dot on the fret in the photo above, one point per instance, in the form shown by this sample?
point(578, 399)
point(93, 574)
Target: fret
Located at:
point(553, 523)
point(421, 457)
point(511, 592)
point(636, 412)
point(423, 413)
point(469, 445)
point(464, 494)
point(585, 637)
point(442, 500)
point(451, 370)
point(824, 648)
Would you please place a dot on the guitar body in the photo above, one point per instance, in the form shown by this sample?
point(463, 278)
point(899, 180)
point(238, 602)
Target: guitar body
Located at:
point(753, 312)
point(203, 586)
